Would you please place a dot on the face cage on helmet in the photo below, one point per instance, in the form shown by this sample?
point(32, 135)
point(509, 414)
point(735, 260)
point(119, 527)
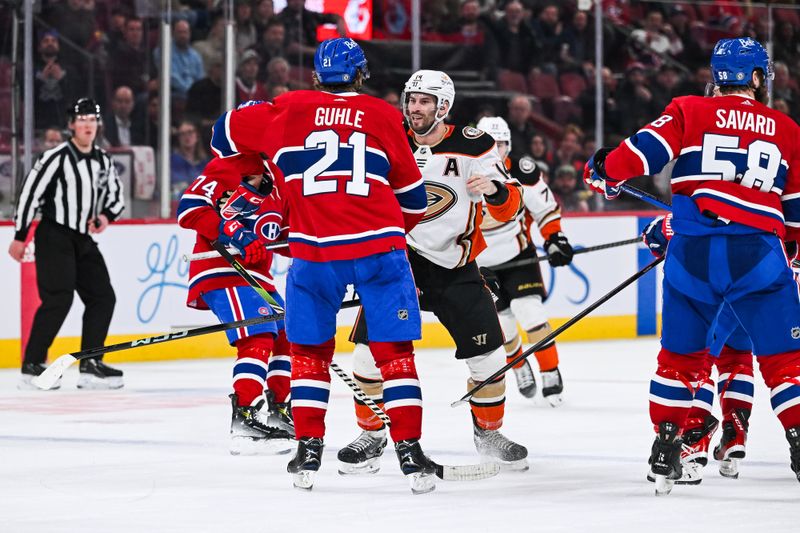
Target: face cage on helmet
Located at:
point(436, 118)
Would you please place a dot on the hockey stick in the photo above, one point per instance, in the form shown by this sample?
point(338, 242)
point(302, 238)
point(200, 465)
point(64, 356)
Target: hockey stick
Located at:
point(188, 258)
point(445, 472)
point(558, 331)
point(542, 258)
point(645, 197)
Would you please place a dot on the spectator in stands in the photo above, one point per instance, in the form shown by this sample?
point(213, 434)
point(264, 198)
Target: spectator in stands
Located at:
point(187, 65)
point(665, 87)
point(392, 97)
point(145, 125)
point(211, 48)
point(697, 83)
point(779, 104)
point(650, 42)
point(279, 73)
point(128, 61)
point(247, 85)
point(264, 12)
point(277, 90)
point(188, 158)
point(475, 32)
point(516, 40)
point(301, 29)
point(117, 125)
point(204, 100)
point(692, 54)
point(577, 42)
point(75, 21)
point(51, 137)
point(565, 188)
point(519, 114)
point(55, 84)
point(540, 150)
point(271, 45)
point(587, 99)
point(116, 27)
point(635, 100)
point(246, 33)
point(569, 149)
point(548, 30)
point(785, 88)
point(786, 47)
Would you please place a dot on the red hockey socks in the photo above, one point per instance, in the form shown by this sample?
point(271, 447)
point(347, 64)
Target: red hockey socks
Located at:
point(311, 387)
point(782, 375)
point(402, 396)
point(279, 371)
point(735, 386)
point(250, 369)
point(673, 387)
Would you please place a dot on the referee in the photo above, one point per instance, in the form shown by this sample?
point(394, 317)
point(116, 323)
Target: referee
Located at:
point(78, 192)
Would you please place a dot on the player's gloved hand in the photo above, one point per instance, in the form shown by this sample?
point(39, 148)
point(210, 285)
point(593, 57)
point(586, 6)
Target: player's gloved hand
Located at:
point(492, 281)
point(246, 198)
point(657, 235)
point(234, 233)
point(559, 250)
point(594, 174)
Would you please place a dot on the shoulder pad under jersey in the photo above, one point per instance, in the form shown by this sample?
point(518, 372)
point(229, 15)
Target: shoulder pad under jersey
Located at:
point(466, 140)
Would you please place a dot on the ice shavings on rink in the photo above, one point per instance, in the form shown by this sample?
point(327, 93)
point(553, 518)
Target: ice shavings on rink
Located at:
point(154, 457)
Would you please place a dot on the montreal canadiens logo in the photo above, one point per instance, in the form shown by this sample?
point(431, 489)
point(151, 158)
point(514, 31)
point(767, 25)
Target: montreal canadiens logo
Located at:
point(263, 311)
point(268, 230)
point(441, 199)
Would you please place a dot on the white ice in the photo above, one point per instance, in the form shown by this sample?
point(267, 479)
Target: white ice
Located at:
point(153, 457)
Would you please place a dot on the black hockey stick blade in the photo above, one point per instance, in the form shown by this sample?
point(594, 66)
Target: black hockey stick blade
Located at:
point(558, 331)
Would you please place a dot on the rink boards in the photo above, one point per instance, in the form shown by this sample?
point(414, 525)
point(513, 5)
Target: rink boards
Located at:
point(150, 281)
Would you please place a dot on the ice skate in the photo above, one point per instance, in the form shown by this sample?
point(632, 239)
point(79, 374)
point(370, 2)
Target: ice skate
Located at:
point(96, 375)
point(306, 462)
point(416, 466)
point(552, 387)
point(30, 371)
point(363, 455)
point(793, 436)
point(252, 433)
point(694, 451)
point(665, 458)
point(279, 414)
point(496, 447)
point(526, 381)
point(731, 447)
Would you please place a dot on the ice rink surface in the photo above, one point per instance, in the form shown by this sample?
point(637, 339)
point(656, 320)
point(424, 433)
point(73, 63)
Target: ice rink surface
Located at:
point(153, 457)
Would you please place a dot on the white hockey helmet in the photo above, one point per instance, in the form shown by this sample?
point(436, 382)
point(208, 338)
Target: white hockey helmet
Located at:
point(497, 128)
point(435, 83)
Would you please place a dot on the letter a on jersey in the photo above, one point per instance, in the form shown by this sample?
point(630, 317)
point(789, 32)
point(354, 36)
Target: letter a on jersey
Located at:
point(451, 168)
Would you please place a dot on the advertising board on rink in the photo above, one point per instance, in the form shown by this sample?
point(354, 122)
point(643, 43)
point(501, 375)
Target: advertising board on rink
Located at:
point(151, 280)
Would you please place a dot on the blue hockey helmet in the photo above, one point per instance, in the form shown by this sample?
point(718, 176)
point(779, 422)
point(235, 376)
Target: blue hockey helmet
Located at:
point(734, 60)
point(338, 61)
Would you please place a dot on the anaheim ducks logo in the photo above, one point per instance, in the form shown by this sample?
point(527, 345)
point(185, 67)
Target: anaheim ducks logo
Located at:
point(441, 199)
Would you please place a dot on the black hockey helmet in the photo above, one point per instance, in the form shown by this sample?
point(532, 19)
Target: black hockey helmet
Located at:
point(83, 106)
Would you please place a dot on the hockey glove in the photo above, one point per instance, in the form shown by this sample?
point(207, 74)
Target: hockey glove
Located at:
point(234, 233)
point(492, 282)
point(559, 250)
point(246, 199)
point(657, 235)
point(594, 174)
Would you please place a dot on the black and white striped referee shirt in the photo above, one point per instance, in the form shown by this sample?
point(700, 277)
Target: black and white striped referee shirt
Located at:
point(69, 187)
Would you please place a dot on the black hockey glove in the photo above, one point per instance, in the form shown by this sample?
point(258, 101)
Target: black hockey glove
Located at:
point(492, 281)
point(559, 250)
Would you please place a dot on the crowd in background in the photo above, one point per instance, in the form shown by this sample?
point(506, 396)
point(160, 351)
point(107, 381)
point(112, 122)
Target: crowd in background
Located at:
point(539, 55)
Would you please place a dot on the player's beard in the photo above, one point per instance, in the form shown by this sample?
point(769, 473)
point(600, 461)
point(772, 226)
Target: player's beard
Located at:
point(425, 125)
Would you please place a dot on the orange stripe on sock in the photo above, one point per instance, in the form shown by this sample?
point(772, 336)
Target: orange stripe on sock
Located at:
point(514, 355)
point(488, 417)
point(548, 358)
point(367, 419)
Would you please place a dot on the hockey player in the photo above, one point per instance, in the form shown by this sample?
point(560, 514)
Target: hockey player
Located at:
point(354, 190)
point(731, 351)
point(736, 196)
point(233, 201)
point(462, 169)
point(520, 289)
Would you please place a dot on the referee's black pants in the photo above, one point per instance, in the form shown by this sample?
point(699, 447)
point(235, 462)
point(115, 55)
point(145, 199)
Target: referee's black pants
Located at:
point(66, 262)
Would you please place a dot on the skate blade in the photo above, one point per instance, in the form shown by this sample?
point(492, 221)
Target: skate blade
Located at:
point(304, 479)
point(253, 446)
point(421, 483)
point(663, 485)
point(370, 466)
point(31, 383)
point(90, 382)
point(692, 475)
point(729, 468)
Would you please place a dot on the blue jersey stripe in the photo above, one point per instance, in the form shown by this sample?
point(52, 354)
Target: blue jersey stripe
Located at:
point(346, 241)
point(739, 206)
point(189, 203)
point(298, 161)
point(415, 199)
point(656, 154)
point(219, 138)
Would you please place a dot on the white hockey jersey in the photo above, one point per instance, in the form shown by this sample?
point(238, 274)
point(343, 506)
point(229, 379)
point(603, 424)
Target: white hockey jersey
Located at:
point(505, 240)
point(450, 232)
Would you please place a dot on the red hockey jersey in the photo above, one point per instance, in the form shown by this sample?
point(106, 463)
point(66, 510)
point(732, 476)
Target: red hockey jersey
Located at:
point(350, 178)
point(198, 209)
point(736, 160)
